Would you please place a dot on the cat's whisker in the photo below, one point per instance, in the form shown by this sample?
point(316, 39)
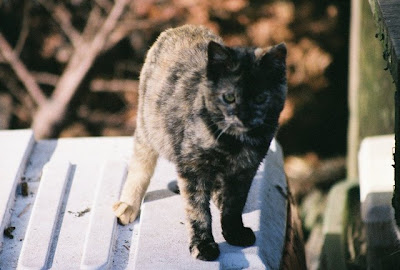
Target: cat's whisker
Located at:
point(215, 132)
point(223, 131)
point(221, 122)
point(213, 124)
point(216, 123)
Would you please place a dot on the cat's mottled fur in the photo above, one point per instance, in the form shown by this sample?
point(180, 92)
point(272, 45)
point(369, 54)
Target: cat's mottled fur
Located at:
point(213, 111)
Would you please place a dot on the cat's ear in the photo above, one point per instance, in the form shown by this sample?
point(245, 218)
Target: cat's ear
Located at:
point(272, 61)
point(275, 55)
point(279, 52)
point(219, 55)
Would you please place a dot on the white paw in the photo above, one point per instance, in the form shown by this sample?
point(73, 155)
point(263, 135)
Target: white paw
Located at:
point(125, 212)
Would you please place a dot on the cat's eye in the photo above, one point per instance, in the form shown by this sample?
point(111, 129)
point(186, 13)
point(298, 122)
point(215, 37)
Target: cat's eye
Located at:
point(260, 99)
point(228, 98)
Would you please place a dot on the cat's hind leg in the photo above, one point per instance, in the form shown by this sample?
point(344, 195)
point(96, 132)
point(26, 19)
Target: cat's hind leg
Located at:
point(141, 169)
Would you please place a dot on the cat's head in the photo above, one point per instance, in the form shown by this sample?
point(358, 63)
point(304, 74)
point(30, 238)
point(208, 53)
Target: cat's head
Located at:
point(247, 88)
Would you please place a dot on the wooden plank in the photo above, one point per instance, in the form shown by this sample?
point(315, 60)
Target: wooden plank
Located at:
point(75, 219)
point(265, 213)
point(45, 214)
point(84, 214)
point(375, 165)
point(371, 87)
point(333, 251)
point(89, 154)
point(376, 188)
point(100, 237)
point(15, 149)
point(386, 13)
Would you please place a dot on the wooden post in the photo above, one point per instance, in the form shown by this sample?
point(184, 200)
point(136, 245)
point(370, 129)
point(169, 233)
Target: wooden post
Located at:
point(371, 86)
point(387, 20)
point(396, 156)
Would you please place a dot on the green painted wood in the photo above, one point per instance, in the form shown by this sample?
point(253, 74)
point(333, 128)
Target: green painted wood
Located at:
point(376, 91)
point(387, 20)
point(371, 86)
point(333, 255)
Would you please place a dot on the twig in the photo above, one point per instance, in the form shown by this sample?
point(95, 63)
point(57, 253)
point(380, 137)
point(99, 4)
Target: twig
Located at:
point(80, 213)
point(104, 4)
point(16, 91)
point(84, 56)
point(127, 27)
point(114, 85)
point(46, 78)
point(23, 74)
point(6, 107)
point(92, 23)
point(62, 16)
point(101, 118)
point(24, 29)
point(77, 68)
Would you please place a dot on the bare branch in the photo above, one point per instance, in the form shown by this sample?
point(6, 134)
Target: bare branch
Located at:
point(93, 23)
point(62, 16)
point(24, 29)
point(84, 56)
point(96, 85)
point(127, 27)
point(17, 91)
point(23, 74)
point(46, 78)
point(104, 4)
point(115, 85)
point(5, 110)
point(78, 66)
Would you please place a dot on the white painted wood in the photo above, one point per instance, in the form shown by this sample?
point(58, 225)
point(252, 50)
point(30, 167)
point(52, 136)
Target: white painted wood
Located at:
point(272, 192)
point(15, 148)
point(74, 225)
point(163, 240)
point(45, 215)
point(93, 241)
point(375, 166)
point(100, 237)
point(376, 192)
point(87, 156)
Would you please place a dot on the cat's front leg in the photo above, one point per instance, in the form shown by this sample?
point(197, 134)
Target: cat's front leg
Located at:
point(141, 169)
point(196, 196)
point(231, 197)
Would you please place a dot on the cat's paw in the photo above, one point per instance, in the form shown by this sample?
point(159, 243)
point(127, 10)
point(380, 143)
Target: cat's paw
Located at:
point(205, 251)
point(125, 212)
point(244, 237)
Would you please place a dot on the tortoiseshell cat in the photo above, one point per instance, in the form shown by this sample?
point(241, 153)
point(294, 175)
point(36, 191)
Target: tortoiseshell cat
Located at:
point(213, 111)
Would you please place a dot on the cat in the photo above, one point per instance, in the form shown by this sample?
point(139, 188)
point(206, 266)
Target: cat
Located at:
point(212, 110)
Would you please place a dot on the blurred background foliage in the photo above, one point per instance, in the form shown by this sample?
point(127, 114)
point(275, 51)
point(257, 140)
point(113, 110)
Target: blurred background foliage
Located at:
point(47, 45)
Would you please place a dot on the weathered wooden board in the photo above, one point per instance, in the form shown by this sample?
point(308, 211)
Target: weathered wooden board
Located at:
point(66, 221)
point(15, 149)
point(386, 14)
point(265, 213)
